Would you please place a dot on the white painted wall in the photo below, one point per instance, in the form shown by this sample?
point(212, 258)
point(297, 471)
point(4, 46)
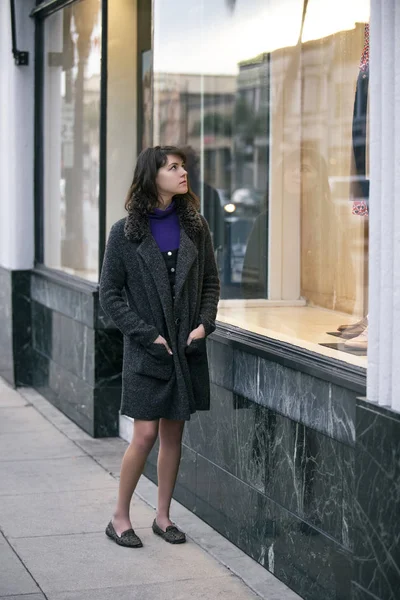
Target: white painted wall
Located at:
point(16, 140)
point(384, 281)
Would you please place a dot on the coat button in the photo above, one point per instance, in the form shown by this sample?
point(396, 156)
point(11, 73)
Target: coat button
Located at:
point(172, 270)
point(169, 253)
point(177, 321)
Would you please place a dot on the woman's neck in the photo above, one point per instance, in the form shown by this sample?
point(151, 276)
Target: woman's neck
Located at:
point(164, 202)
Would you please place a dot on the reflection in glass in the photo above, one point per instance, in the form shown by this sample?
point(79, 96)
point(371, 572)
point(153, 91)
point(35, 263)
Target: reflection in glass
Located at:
point(71, 123)
point(271, 99)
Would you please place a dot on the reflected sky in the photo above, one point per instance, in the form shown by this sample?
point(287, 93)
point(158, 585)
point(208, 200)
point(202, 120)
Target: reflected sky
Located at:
point(208, 37)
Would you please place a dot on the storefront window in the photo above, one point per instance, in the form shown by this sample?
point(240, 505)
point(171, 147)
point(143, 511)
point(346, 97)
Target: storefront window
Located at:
point(128, 97)
point(270, 101)
point(71, 139)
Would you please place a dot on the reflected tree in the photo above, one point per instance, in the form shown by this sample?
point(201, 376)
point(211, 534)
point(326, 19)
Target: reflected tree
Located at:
point(81, 20)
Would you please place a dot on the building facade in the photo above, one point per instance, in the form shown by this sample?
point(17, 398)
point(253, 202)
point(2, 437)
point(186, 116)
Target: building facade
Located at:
point(289, 116)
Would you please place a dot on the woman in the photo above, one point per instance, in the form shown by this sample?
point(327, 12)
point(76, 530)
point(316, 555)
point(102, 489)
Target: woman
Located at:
point(162, 257)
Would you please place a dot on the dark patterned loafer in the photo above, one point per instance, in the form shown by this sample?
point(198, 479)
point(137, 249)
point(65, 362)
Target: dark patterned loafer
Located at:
point(128, 538)
point(172, 535)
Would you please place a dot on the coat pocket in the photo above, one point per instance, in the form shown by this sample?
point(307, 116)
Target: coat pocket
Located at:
point(154, 361)
point(197, 350)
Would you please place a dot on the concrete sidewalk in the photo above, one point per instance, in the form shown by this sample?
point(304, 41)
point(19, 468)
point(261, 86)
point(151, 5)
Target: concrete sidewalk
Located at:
point(57, 490)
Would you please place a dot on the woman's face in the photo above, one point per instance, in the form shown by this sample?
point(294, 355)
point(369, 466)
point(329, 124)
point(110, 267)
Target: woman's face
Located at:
point(301, 176)
point(172, 177)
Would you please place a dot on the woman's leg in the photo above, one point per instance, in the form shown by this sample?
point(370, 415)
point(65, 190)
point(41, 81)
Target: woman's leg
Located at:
point(169, 457)
point(144, 436)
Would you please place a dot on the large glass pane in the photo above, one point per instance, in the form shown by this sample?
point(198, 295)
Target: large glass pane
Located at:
point(71, 138)
point(129, 105)
point(270, 100)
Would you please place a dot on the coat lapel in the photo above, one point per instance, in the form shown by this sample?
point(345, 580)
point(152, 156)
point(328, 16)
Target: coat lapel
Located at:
point(137, 230)
point(186, 256)
point(155, 264)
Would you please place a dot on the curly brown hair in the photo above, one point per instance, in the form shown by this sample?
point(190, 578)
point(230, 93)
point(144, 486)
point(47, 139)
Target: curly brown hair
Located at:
point(142, 195)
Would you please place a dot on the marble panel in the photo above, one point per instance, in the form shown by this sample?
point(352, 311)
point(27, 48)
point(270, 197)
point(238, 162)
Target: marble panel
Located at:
point(294, 465)
point(42, 329)
point(213, 433)
point(108, 357)
point(251, 437)
point(6, 332)
point(102, 321)
point(22, 327)
point(318, 489)
point(185, 488)
point(63, 389)
point(312, 564)
point(359, 593)
point(246, 375)
point(377, 501)
point(323, 406)
point(306, 472)
point(218, 521)
point(150, 468)
point(73, 303)
point(307, 561)
point(153, 456)
point(271, 391)
point(328, 408)
point(225, 502)
point(150, 471)
point(348, 478)
point(66, 342)
point(220, 360)
point(95, 410)
point(106, 405)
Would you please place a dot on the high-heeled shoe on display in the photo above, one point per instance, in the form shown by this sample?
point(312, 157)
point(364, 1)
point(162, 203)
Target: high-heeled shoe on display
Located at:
point(358, 343)
point(354, 330)
point(362, 323)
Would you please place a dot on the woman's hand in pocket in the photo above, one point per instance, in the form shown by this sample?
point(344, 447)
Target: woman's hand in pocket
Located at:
point(196, 334)
point(161, 340)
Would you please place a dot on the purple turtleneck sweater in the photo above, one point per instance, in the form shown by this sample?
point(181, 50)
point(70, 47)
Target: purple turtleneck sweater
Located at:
point(164, 225)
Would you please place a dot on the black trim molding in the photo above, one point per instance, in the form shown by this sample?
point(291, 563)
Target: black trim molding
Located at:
point(295, 357)
point(38, 185)
point(47, 8)
point(103, 133)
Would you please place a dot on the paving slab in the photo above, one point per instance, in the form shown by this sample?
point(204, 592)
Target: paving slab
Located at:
point(111, 463)
point(22, 419)
point(73, 432)
point(20, 446)
point(25, 597)
point(215, 588)
point(66, 513)
point(254, 575)
point(9, 398)
point(100, 447)
point(14, 578)
point(55, 475)
point(262, 581)
point(92, 561)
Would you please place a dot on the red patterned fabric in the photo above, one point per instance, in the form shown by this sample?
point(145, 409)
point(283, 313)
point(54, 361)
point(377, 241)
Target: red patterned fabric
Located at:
point(364, 62)
point(360, 208)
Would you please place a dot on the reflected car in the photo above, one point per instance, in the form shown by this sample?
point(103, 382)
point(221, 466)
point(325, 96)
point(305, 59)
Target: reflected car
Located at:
point(242, 201)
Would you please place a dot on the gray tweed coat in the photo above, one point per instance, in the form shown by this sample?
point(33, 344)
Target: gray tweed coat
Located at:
point(154, 383)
